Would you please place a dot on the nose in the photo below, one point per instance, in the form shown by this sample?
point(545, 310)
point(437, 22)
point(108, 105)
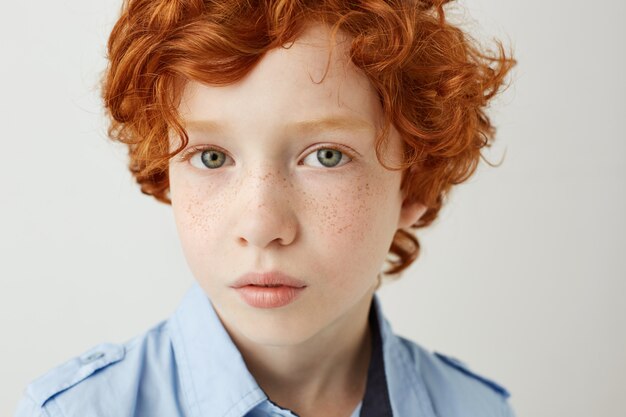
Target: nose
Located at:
point(267, 216)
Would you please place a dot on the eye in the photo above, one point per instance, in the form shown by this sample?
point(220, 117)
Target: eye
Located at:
point(208, 158)
point(326, 157)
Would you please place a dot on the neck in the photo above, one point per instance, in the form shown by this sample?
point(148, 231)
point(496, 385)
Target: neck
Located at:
point(329, 369)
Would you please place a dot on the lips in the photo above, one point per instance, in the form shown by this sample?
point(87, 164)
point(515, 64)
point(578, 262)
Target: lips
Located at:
point(268, 290)
point(268, 279)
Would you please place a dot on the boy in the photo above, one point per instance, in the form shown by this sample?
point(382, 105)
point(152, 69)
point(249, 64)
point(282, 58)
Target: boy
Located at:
point(297, 142)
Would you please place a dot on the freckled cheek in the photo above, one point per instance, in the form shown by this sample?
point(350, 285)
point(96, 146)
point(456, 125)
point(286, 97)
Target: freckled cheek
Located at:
point(197, 208)
point(349, 211)
point(351, 231)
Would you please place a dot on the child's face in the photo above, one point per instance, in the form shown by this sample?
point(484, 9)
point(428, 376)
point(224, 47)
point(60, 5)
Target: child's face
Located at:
point(270, 202)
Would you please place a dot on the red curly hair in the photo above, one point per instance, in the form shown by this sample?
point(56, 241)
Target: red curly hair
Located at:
point(433, 80)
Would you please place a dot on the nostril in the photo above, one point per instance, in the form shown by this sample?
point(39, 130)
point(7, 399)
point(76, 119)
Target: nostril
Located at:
point(265, 222)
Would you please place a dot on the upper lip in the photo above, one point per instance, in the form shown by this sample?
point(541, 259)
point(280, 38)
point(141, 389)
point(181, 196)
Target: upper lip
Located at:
point(267, 278)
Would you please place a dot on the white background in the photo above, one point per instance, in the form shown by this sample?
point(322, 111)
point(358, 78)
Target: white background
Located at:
point(522, 277)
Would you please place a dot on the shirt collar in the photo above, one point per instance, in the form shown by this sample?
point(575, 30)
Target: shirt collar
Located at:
point(213, 373)
point(405, 384)
point(216, 381)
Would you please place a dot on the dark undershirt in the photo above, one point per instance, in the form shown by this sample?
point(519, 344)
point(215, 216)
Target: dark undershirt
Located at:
point(376, 401)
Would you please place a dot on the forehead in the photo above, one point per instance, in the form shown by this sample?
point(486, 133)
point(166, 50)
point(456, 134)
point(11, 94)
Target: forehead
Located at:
point(312, 78)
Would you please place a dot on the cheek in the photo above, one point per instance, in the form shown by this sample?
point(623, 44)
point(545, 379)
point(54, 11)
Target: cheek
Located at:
point(196, 209)
point(359, 217)
point(336, 215)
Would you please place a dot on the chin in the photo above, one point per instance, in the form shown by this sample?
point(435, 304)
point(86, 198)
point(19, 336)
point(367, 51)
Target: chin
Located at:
point(278, 330)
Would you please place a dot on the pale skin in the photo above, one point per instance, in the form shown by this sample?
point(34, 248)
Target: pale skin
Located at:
point(267, 201)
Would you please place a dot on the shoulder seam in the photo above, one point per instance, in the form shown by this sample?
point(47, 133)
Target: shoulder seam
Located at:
point(53, 405)
point(74, 371)
point(456, 364)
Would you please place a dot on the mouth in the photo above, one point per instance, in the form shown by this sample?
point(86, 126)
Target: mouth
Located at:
point(268, 280)
point(269, 286)
point(268, 290)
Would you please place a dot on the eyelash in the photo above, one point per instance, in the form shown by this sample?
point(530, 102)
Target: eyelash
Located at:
point(188, 153)
point(347, 152)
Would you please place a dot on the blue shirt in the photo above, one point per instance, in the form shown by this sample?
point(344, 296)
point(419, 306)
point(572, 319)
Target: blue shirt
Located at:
point(188, 366)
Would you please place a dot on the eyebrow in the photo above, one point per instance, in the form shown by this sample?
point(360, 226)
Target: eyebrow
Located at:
point(303, 126)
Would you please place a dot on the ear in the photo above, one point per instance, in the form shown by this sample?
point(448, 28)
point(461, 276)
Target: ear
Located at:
point(410, 213)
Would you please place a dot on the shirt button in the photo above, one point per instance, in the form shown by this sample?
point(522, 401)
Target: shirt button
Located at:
point(92, 357)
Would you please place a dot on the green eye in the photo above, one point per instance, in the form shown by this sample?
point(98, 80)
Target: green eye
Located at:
point(329, 157)
point(326, 158)
point(212, 158)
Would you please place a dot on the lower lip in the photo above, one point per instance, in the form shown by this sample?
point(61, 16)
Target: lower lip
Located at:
point(268, 297)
